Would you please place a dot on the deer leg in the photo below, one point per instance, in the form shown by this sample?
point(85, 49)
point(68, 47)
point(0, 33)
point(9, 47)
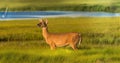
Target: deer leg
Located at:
point(73, 47)
point(52, 46)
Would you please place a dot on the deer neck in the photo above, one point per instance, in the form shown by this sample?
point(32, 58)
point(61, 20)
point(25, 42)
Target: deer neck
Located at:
point(45, 32)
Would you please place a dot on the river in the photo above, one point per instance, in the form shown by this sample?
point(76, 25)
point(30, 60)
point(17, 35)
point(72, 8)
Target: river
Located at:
point(46, 14)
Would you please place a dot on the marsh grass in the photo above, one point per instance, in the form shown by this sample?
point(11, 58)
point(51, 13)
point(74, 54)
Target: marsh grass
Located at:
point(22, 41)
point(61, 5)
point(39, 52)
point(93, 30)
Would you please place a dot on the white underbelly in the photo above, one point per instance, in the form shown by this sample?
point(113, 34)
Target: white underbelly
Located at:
point(60, 44)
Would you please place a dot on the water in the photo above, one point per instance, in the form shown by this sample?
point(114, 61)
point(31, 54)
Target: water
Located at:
point(46, 14)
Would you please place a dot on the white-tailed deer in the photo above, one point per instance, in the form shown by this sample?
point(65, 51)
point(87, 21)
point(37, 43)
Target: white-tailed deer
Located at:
point(59, 39)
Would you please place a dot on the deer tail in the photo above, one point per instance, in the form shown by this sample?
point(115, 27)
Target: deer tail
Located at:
point(80, 39)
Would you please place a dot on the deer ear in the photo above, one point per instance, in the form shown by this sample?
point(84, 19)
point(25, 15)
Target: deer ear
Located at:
point(40, 20)
point(46, 21)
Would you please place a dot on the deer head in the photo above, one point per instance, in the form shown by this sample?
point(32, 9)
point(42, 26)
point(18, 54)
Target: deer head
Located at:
point(42, 23)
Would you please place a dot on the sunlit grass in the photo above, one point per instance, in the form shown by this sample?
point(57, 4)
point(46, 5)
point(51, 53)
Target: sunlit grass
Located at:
point(21, 41)
point(54, 2)
point(39, 52)
point(93, 30)
point(60, 5)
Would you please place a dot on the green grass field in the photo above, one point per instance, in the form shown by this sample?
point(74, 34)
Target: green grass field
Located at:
point(22, 41)
point(64, 5)
point(54, 2)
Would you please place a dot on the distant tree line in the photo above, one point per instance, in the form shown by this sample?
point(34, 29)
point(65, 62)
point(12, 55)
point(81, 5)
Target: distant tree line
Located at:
point(81, 7)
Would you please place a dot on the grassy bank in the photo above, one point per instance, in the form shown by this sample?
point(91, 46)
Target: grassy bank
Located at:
point(22, 41)
point(39, 52)
point(64, 5)
point(93, 30)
